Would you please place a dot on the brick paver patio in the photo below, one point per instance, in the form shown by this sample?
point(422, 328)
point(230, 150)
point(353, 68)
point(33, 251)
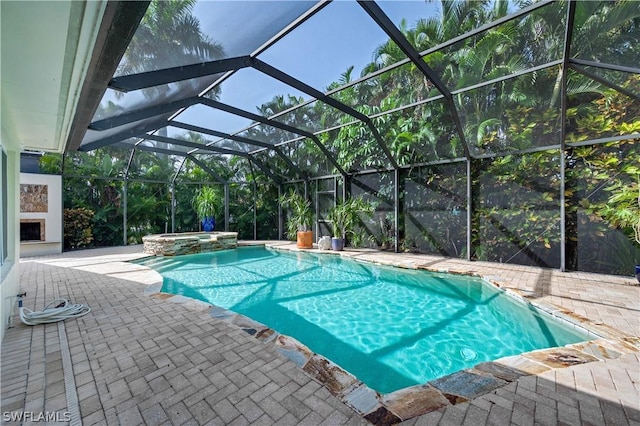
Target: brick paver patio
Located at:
point(145, 360)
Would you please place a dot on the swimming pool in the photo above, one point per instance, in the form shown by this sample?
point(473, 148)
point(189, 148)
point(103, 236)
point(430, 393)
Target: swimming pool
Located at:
point(390, 327)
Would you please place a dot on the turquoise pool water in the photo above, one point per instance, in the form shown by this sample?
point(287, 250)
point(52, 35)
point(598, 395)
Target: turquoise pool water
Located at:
point(390, 327)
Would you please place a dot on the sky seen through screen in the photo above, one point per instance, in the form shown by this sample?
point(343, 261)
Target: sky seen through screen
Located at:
point(317, 53)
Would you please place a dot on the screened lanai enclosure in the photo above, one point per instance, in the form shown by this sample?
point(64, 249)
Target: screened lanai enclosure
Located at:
point(506, 131)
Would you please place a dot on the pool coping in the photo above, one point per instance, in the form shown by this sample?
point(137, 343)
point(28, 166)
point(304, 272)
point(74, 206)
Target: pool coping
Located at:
point(455, 388)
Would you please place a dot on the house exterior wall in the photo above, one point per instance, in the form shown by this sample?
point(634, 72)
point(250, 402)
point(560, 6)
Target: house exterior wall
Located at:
point(9, 229)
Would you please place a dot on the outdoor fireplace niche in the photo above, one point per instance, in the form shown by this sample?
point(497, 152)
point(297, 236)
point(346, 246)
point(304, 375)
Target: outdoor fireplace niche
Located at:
point(40, 214)
point(32, 230)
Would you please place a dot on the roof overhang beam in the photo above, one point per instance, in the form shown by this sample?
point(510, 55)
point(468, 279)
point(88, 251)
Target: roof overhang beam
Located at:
point(128, 83)
point(119, 24)
point(141, 114)
point(118, 137)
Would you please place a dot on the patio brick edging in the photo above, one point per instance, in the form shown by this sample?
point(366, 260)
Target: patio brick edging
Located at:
point(459, 387)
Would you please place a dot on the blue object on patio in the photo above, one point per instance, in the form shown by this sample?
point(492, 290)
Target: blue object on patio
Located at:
point(337, 244)
point(208, 224)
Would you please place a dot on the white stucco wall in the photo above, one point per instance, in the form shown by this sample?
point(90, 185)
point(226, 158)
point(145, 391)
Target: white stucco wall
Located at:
point(9, 267)
point(53, 216)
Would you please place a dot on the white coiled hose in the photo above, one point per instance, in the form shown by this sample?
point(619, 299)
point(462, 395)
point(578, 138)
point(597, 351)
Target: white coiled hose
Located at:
point(57, 310)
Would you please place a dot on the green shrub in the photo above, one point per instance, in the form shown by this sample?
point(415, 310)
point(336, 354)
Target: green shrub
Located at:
point(78, 232)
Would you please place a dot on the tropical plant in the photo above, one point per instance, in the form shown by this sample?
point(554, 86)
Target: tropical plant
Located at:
point(300, 216)
point(386, 233)
point(77, 228)
point(51, 163)
point(594, 175)
point(168, 36)
point(206, 202)
point(266, 201)
point(623, 208)
point(344, 215)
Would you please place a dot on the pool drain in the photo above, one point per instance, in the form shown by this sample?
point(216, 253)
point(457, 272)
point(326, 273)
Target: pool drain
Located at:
point(468, 354)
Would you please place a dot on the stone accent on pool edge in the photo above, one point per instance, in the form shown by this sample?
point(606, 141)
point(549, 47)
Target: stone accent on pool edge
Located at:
point(188, 243)
point(407, 403)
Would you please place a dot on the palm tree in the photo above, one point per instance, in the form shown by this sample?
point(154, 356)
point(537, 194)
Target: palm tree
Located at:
point(602, 31)
point(168, 36)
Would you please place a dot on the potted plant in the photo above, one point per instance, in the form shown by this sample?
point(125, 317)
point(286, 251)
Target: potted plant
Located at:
point(205, 203)
point(343, 217)
point(623, 211)
point(299, 219)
